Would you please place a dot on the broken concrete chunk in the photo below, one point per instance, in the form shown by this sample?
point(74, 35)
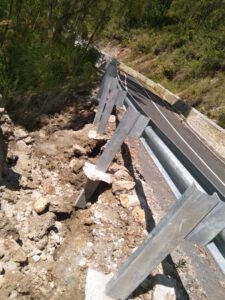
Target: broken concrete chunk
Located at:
point(122, 175)
point(129, 200)
point(122, 186)
point(95, 285)
point(94, 174)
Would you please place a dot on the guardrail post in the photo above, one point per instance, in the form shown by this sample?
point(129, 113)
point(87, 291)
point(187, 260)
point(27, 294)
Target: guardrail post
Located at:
point(175, 226)
point(112, 147)
point(210, 226)
point(102, 100)
point(120, 98)
point(107, 111)
point(116, 97)
point(110, 69)
point(139, 127)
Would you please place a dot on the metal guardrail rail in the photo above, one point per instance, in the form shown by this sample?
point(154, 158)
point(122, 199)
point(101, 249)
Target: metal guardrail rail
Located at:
point(203, 215)
point(171, 167)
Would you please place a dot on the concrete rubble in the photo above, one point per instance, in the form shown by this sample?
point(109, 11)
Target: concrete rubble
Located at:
point(94, 174)
point(47, 248)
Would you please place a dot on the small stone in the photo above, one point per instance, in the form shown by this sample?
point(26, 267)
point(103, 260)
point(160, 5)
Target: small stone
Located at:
point(88, 221)
point(122, 175)
point(129, 200)
point(36, 257)
point(139, 214)
point(43, 257)
point(40, 205)
point(95, 175)
point(92, 134)
point(163, 293)
point(56, 238)
point(122, 186)
point(112, 119)
point(48, 188)
point(14, 295)
point(76, 164)
point(82, 262)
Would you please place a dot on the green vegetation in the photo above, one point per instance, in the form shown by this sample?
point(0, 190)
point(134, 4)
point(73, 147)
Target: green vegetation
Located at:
point(45, 51)
point(179, 43)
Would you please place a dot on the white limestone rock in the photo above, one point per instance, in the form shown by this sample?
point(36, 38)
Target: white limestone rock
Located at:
point(163, 292)
point(121, 186)
point(93, 174)
point(40, 205)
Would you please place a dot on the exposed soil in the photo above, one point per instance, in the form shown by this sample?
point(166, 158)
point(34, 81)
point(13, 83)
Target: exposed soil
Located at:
point(46, 246)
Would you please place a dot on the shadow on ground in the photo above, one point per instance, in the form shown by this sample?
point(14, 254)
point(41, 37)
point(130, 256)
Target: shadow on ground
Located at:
point(169, 267)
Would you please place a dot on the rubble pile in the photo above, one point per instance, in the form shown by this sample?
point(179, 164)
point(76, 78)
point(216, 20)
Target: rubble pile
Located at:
point(46, 246)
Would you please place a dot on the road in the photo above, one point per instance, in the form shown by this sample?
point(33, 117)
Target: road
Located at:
point(198, 156)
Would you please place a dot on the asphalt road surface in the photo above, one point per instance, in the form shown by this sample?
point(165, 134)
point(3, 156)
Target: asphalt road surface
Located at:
point(209, 165)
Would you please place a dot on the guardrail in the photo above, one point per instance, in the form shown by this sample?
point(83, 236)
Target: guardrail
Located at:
point(196, 217)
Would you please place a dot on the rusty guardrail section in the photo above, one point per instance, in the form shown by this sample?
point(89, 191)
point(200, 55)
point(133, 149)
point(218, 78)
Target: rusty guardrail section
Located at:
point(196, 217)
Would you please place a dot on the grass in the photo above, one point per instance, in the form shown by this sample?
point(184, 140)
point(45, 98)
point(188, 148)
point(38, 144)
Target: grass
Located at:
point(190, 66)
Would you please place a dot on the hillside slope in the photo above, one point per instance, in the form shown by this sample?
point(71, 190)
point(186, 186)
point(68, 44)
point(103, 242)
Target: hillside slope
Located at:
point(176, 43)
